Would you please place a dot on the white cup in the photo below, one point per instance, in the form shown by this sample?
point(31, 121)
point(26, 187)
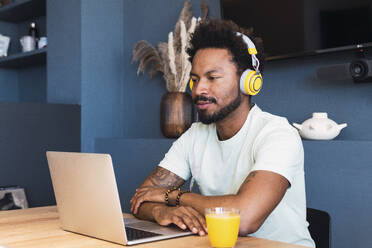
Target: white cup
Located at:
point(28, 43)
point(43, 42)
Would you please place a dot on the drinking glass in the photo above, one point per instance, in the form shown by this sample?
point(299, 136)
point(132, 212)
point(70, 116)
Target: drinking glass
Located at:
point(223, 226)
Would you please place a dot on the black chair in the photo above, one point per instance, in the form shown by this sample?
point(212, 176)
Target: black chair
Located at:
point(319, 227)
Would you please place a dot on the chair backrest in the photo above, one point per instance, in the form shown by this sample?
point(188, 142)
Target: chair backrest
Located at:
point(319, 227)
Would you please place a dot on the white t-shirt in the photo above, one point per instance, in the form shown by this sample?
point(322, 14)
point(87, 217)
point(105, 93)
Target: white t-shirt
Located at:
point(265, 142)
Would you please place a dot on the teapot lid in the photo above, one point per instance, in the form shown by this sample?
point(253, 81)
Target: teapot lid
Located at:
point(320, 115)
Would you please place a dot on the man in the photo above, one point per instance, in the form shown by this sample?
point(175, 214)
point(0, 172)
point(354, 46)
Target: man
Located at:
point(240, 156)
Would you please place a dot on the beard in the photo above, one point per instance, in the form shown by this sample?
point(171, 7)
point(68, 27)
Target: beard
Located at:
point(220, 114)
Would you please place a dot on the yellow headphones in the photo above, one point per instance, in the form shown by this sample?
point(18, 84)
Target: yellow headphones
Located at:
point(250, 80)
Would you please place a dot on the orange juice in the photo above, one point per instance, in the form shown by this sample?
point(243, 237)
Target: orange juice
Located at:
point(223, 227)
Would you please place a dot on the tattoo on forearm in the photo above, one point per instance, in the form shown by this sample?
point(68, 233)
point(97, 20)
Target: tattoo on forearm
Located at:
point(164, 178)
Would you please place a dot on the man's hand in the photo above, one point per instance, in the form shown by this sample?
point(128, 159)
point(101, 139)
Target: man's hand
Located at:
point(161, 178)
point(147, 194)
point(183, 217)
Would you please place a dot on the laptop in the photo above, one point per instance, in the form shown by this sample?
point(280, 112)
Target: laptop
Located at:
point(88, 201)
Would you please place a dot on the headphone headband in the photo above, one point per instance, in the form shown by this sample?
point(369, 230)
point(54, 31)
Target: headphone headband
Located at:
point(251, 50)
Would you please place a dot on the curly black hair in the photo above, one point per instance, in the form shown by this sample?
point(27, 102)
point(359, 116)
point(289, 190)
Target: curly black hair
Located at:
point(214, 33)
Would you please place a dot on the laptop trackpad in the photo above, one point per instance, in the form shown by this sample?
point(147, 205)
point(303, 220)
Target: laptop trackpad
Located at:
point(152, 227)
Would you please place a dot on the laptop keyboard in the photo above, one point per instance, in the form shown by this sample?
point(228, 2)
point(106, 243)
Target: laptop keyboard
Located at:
point(134, 234)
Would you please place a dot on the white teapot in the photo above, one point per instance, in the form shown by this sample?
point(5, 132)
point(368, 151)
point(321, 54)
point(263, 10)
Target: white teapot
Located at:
point(319, 127)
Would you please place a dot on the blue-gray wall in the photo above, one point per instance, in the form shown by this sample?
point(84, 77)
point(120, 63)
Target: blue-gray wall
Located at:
point(102, 70)
point(85, 63)
point(32, 84)
point(9, 85)
point(64, 51)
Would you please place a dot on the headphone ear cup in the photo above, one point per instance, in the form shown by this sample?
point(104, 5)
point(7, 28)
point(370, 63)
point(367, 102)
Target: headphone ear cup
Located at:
point(191, 84)
point(251, 82)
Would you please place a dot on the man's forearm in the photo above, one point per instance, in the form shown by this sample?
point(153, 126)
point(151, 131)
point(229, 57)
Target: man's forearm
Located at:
point(196, 201)
point(248, 219)
point(200, 203)
point(260, 193)
point(145, 211)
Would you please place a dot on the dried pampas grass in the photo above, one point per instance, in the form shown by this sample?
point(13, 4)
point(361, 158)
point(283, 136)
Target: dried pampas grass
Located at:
point(145, 53)
point(171, 58)
point(204, 9)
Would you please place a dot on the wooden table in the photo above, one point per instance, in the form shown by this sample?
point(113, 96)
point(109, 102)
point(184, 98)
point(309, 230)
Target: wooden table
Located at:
point(40, 227)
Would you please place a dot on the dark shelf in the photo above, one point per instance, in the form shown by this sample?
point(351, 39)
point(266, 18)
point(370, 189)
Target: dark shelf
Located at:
point(36, 57)
point(22, 10)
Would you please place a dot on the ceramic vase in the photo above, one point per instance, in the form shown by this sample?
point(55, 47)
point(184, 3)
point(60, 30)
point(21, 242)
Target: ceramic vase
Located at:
point(176, 114)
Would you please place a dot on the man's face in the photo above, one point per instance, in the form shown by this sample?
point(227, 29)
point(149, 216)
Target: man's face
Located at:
point(215, 91)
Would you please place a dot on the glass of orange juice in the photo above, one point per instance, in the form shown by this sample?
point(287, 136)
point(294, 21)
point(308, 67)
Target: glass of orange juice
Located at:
point(223, 226)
